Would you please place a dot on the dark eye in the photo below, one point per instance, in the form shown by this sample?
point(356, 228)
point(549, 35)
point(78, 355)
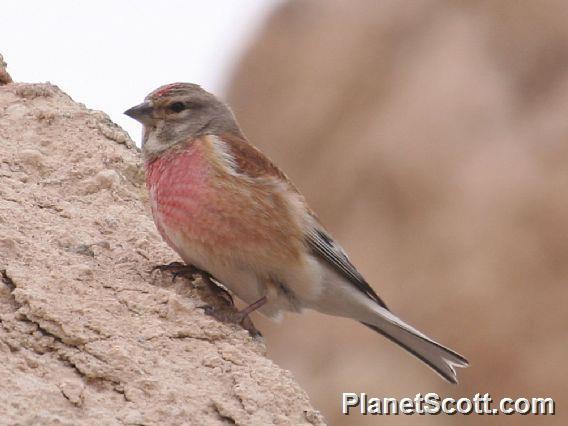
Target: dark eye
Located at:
point(177, 106)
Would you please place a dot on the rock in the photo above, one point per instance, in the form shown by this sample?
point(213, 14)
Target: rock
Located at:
point(4, 76)
point(31, 91)
point(107, 178)
point(73, 391)
point(8, 247)
point(87, 334)
point(117, 135)
point(32, 158)
point(15, 111)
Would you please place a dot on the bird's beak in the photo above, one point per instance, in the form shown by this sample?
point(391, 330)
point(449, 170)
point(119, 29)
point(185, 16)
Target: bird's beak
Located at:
point(141, 113)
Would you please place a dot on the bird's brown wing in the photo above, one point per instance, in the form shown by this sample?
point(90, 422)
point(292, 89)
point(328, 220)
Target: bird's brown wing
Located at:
point(250, 161)
point(327, 249)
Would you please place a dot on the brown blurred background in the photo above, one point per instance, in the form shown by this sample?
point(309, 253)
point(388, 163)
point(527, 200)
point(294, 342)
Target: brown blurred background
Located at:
point(432, 139)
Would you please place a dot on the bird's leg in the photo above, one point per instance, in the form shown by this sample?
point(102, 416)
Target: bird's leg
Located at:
point(245, 320)
point(217, 287)
point(242, 317)
point(244, 313)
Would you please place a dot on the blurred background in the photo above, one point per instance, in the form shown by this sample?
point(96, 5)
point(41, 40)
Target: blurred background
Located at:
point(432, 139)
point(109, 54)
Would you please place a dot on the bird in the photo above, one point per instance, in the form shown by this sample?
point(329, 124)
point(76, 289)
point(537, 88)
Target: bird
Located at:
point(227, 209)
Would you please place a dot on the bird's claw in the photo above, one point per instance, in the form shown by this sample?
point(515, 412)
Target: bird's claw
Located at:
point(238, 318)
point(169, 266)
point(177, 269)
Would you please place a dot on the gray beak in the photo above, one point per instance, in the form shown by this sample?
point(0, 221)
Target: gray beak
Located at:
point(141, 112)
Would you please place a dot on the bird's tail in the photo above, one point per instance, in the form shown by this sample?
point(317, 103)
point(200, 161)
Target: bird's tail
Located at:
point(441, 359)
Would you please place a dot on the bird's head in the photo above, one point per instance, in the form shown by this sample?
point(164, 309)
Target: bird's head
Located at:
point(177, 113)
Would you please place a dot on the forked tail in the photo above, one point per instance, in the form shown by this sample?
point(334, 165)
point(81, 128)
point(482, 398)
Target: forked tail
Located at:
point(441, 359)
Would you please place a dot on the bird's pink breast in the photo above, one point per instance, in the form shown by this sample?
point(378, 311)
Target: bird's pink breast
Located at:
point(204, 212)
point(179, 188)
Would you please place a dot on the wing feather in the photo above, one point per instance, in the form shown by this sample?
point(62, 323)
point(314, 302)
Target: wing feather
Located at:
point(253, 163)
point(327, 249)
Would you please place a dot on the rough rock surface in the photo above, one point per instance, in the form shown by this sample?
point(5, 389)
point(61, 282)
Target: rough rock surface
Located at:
point(88, 335)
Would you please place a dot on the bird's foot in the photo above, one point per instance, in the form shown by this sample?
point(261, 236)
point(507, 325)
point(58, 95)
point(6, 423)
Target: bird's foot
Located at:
point(241, 318)
point(179, 269)
point(232, 318)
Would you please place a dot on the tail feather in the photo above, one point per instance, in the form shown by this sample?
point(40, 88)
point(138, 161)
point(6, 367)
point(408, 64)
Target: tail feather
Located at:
point(439, 358)
point(341, 298)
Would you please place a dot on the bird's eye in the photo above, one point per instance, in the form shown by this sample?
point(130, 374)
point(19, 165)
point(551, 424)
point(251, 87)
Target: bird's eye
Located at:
point(177, 106)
